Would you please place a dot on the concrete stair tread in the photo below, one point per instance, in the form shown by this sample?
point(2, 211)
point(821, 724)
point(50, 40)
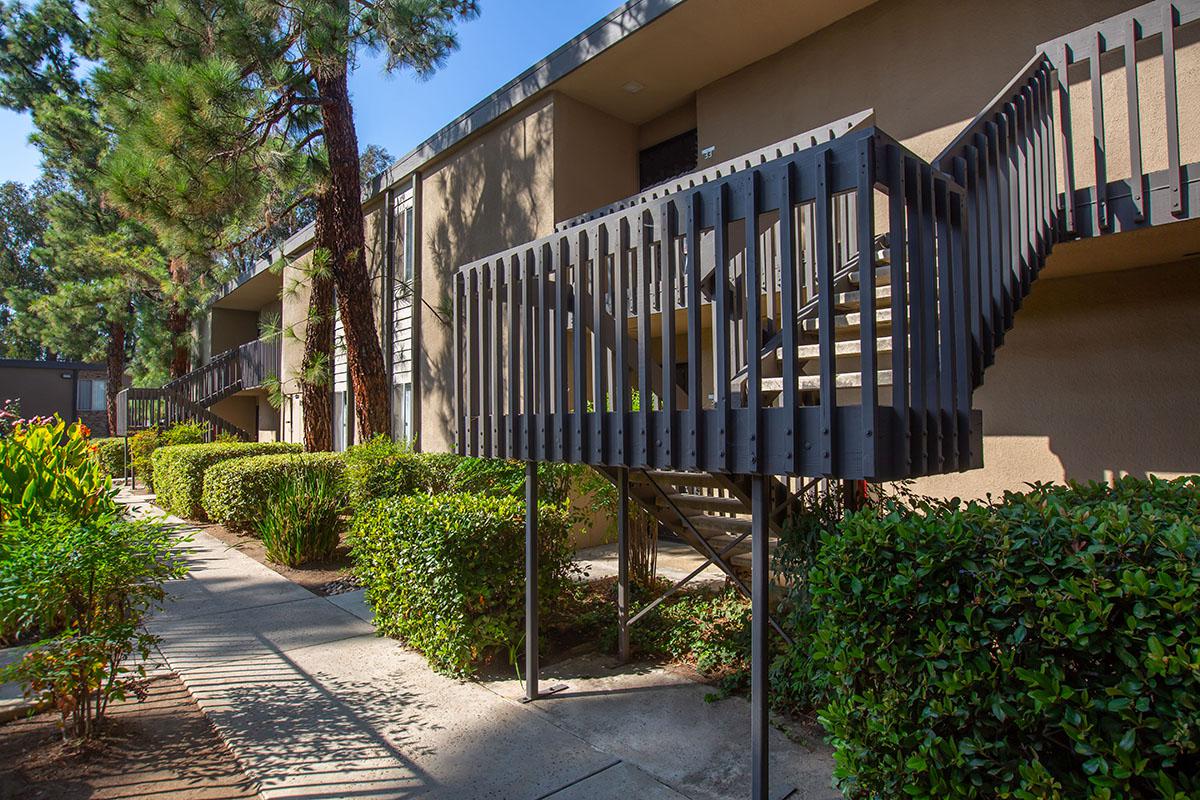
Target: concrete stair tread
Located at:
point(810, 383)
point(846, 347)
point(850, 301)
point(677, 478)
point(848, 321)
point(699, 501)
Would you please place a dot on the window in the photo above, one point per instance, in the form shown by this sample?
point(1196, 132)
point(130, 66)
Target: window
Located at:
point(402, 412)
point(340, 419)
point(91, 395)
point(665, 160)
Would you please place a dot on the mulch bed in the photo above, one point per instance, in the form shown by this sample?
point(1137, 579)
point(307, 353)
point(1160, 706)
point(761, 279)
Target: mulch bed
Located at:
point(326, 577)
point(160, 747)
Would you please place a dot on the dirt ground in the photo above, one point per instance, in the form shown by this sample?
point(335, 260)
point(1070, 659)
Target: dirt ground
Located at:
point(312, 576)
point(161, 747)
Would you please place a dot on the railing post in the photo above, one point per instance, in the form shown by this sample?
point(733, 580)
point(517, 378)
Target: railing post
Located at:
point(531, 580)
point(759, 644)
point(623, 563)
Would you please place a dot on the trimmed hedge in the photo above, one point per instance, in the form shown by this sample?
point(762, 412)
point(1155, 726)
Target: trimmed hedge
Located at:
point(236, 491)
point(1045, 646)
point(445, 573)
point(379, 468)
point(110, 453)
point(179, 470)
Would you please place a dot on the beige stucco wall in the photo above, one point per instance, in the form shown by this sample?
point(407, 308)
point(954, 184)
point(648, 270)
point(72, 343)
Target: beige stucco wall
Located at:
point(1099, 377)
point(231, 328)
point(926, 67)
point(239, 410)
point(595, 158)
point(493, 192)
point(296, 293)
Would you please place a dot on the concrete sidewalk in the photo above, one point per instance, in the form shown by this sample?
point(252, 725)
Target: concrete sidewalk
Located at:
point(315, 705)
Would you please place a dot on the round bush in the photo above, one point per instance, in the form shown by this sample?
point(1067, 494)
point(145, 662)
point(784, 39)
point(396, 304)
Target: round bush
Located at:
point(445, 572)
point(1044, 646)
point(236, 491)
point(110, 452)
point(179, 470)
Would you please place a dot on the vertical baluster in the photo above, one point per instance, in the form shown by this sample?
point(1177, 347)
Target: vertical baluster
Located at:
point(1054, 218)
point(562, 257)
point(1004, 210)
point(459, 376)
point(1100, 209)
point(962, 280)
point(579, 453)
point(721, 315)
point(545, 260)
point(512, 379)
point(642, 287)
point(529, 371)
point(695, 335)
point(919, 399)
point(789, 262)
point(865, 229)
point(825, 314)
point(668, 227)
point(946, 332)
point(991, 160)
point(599, 251)
point(1172, 104)
point(753, 319)
point(486, 409)
point(1068, 145)
point(929, 322)
point(474, 333)
point(1134, 113)
point(621, 338)
point(897, 269)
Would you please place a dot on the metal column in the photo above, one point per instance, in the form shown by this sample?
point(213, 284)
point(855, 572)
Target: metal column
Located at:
point(623, 562)
point(531, 581)
point(759, 630)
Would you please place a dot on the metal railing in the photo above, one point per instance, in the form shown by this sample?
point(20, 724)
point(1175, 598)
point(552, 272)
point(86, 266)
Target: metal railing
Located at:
point(556, 339)
point(141, 409)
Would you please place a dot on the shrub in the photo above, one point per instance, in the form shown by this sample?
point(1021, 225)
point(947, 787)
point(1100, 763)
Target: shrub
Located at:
point(180, 470)
point(47, 466)
point(236, 491)
point(141, 448)
point(381, 468)
point(1045, 646)
point(445, 573)
point(184, 433)
point(301, 519)
point(94, 580)
point(110, 454)
point(500, 478)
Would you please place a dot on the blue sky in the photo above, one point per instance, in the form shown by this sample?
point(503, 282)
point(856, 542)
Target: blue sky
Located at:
point(399, 111)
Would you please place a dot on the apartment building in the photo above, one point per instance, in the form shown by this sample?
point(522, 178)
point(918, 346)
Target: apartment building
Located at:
point(1098, 366)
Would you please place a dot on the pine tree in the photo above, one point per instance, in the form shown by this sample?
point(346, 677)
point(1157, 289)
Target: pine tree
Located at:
point(22, 227)
point(281, 70)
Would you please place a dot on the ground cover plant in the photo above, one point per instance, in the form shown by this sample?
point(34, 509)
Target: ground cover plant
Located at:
point(47, 465)
point(1045, 645)
point(180, 469)
point(236, 492)
point(301, 519)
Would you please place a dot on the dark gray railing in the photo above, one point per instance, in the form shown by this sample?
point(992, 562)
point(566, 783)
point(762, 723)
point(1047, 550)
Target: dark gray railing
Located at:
point(140, 409)
point(554, 338)
point(245, 367)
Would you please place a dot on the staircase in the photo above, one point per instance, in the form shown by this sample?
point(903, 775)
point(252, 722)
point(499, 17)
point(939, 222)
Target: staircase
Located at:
point(189, 397)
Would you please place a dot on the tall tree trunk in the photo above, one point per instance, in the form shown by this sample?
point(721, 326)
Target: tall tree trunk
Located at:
point(179, 320)
point(339, 231)
point(315, 399)
point(115, 364)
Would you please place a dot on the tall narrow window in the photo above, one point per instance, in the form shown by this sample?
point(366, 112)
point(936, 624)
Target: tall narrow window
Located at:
point(402, 428)
point(91, 395)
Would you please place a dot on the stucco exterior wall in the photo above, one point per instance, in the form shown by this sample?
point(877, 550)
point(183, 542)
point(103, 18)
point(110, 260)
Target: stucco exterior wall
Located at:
point(927, 67)
point(595, 158)
point(230, 328)
point(296, 293)
point(495, 191)
point(238, 410)
point(1099, 377)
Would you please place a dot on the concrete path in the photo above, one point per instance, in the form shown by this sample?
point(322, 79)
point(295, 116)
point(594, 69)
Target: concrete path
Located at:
point(315, 705)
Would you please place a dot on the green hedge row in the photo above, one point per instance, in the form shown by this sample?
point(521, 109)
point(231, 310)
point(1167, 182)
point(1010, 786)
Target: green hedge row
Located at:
point(1044, 646)
point(445, 572)
point(179, 470)
point(110, 452)
point(236, 491)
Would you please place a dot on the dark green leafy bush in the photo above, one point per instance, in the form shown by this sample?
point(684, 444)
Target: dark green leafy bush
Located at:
point(382, 468)
point(110, 453)
point(1046, 646)
point(445, 572)
point(143, 444)
point(236, 491)
point(180, 469)
point(301, 520)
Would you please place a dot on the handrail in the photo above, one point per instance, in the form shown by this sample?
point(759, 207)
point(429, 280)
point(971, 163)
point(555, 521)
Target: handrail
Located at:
point(141, 409)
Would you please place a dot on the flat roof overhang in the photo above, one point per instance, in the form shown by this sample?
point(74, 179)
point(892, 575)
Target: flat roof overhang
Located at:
point(251, 290)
